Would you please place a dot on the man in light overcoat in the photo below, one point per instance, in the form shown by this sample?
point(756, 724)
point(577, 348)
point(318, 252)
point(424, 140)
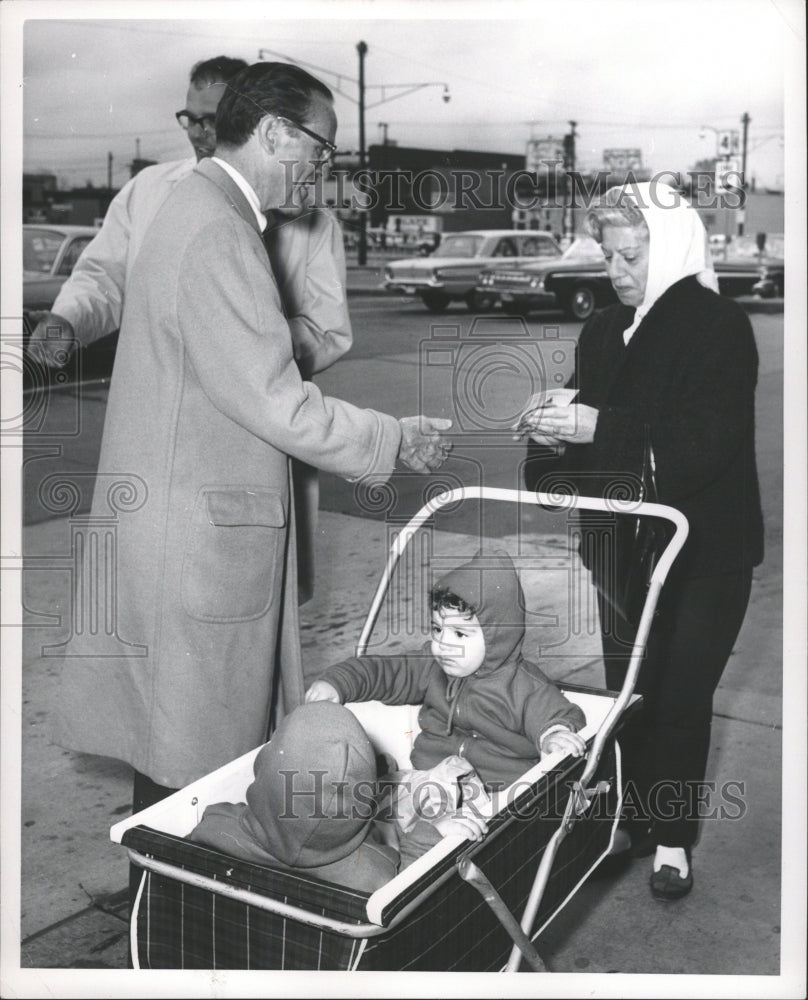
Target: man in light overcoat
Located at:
point(206, 409)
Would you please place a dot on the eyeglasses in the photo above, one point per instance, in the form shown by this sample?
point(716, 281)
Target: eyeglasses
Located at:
point(327, 148)
point(206, 122)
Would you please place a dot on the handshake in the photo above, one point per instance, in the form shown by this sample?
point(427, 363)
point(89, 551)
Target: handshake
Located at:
point(423, 448)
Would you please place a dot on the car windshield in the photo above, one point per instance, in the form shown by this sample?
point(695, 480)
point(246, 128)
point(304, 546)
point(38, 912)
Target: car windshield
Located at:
point(459, 246)
point(39, 250)
point(583, 249)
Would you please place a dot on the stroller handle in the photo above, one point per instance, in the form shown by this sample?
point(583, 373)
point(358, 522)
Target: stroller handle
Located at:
point(658, 576)
point(441, 500)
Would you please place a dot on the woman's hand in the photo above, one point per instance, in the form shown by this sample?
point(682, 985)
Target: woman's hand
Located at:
point(323, 691)
point(572, 424)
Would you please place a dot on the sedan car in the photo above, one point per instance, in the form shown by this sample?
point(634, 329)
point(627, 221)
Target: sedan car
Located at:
point(49, 254)
point(578, 283)
point(584, 284)
point(450, 272)
point(747, 266)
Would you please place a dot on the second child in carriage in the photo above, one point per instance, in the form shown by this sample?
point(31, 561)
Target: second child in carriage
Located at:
point(482, 700)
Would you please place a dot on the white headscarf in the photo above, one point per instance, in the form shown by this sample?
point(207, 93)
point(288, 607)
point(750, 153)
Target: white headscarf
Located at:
point(678, 244)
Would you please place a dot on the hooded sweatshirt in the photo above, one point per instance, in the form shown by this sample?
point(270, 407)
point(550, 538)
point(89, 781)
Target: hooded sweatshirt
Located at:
point(495, 717)
point(310, 806)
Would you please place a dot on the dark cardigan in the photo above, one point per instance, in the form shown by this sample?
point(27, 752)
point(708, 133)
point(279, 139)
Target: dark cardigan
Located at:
point(689, 372)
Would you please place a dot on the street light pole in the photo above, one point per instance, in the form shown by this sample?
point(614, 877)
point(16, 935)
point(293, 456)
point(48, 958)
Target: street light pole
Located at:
point(403, 90)
point(362, 250)
point(745, 122)
point(570, 178)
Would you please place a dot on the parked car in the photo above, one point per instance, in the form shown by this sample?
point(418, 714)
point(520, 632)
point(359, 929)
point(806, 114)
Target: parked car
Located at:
point(752, 265)
point(578, 283)
point(49, 254)
point(450, 272)
point(522, 288)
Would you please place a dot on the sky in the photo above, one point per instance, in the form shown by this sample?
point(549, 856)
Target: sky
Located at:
point(631, 74)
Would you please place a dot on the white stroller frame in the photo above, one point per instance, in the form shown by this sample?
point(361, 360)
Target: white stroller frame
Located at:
point(520, 931)
point(582, 794)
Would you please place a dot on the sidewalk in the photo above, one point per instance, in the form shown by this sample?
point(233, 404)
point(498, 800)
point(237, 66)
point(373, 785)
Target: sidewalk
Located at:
point(74, 879)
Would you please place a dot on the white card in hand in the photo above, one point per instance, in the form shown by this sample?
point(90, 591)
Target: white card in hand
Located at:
point(551, 397)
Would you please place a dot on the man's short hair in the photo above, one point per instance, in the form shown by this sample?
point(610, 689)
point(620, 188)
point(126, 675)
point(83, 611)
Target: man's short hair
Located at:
point(220, 69)
point(265, 88)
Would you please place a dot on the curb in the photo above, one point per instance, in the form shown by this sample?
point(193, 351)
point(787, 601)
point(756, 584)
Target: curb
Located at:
point(380, 292)
point(751, 305)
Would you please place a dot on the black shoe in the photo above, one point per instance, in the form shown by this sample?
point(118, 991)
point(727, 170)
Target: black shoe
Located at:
point(668, 883)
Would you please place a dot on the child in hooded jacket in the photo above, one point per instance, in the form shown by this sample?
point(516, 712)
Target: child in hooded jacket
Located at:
point(315, 806)
point(481, 699)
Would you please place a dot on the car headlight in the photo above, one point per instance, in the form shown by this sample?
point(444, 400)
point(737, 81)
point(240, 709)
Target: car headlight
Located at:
point(535, 282)
point(485, 279)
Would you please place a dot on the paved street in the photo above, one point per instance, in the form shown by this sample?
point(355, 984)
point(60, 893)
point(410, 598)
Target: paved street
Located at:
point(405, 360)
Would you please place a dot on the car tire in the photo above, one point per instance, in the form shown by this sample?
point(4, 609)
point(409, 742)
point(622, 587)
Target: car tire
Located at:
point(515, 309)
point(478, 302)
point(436, 302)
point(581, 304)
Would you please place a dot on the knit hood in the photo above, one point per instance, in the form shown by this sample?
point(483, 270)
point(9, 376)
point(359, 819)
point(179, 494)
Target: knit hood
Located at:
point(489, 583)
point(309, 804)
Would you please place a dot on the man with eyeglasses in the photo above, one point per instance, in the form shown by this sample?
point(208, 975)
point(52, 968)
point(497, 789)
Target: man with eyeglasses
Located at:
point(308, 253)
point(206, 408)
point(305, 246)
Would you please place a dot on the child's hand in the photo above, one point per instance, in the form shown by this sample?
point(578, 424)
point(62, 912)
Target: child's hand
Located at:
point(323, 691)
point(466, 824)
point(565, 741)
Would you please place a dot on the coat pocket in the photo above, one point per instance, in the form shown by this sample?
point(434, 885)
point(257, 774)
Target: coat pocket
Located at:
point(232, 565)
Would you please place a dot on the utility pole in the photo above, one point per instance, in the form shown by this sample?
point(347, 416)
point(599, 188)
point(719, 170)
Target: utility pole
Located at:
point(109, 171)
point(402, 89)
point(362, 250)
point(745, 122)
point(383, 127)
point(570, 181)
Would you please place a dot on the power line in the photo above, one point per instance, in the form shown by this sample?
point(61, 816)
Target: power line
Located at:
point(100, 135)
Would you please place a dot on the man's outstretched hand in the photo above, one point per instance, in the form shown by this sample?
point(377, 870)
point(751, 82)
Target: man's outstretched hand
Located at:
point(422, 447)
point(52, 341)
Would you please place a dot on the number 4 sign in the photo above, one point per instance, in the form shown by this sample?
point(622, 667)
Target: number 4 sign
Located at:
point(728, 143)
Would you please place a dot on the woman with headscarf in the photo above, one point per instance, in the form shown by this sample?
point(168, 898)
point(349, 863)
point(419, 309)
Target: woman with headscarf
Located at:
point(675, 362)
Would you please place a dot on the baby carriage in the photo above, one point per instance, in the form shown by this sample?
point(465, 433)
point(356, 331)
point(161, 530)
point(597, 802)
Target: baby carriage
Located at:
point(463, 906)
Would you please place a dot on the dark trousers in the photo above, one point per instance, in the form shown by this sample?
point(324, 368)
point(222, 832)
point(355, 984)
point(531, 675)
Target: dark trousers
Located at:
point(665, 754)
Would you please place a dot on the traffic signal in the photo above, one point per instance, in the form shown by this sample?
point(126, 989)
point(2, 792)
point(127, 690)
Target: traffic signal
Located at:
point(569, 150)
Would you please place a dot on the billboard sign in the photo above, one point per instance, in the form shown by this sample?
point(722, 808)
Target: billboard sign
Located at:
point(543, 154)
point(620, 161)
